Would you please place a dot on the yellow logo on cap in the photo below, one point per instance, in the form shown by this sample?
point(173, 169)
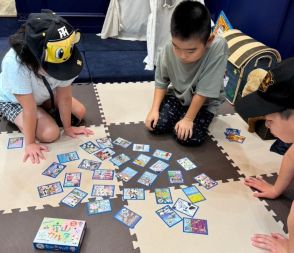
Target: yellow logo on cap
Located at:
point(266, 82)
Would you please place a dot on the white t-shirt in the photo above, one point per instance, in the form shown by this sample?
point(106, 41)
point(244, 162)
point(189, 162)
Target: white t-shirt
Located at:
point(16, 78)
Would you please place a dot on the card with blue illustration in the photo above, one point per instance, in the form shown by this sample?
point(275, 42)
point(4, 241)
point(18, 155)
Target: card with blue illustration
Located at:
point(54, 169)
point(120, 159)
point(74, 197)
point(126, 174)
point(15, 142)
point(49, 189)
point(185, 207)
point(159, 166)
point(186, 163)
point(104, 154)
point(90, 147)
point(133, 194)
point(103, 174)
point(87, 164)
point(68, 157)
point(72, 179)
point(104, 142)
point(142, 160)
point(163, 196)
point(232, 131)
point(98, 206)
point(193, 194)
point(162, 154)
point(168, 215)
point(205, 181)
point(175, 177)
point(196, 226)
point(147, 178)
point(103, 190)
point(122, 142)
point(141, 147)
point(127, 217)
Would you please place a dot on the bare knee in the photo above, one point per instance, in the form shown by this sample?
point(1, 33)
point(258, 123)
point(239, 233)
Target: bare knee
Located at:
point(49, 134)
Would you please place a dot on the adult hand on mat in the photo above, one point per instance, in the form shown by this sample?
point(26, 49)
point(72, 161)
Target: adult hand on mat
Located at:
point(184, 129)
point(266, 190)
point(75, 131)
point(152, 119)
point(34, 151)
point(275, 243)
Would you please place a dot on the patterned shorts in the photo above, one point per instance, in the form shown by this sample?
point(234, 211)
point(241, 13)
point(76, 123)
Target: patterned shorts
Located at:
point(10, 110)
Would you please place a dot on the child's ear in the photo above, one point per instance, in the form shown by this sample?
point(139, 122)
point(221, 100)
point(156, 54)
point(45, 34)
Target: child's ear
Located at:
point(210, 39)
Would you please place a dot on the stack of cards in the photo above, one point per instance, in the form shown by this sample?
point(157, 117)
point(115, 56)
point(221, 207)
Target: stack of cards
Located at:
point(233, 134)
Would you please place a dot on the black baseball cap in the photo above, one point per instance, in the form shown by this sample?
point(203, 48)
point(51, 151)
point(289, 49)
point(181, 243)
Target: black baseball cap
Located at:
point(275, 93)
point(52, 40)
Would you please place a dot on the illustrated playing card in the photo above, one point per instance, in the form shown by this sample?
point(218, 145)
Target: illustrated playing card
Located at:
point(141, 147)
point(54, 170)
point(142, 160)
point(133, 194)
point(147, 178)
point(103, 174)
point(175, 177)
point(103, 190)
point(185, 207)
point(72, 179)
point(104, 143)
point(168, 215)
point(162, 154)
point(193, 194)
point(120, 159)
point(98, 206)
point(236, 138)
point(104, 154)
point(122, 142)
point(127, 217)
point(196, 226)
point(89, 147)
point(159, 166)
point(186, 163)
point(89, 165)
point(68, 157)
point(49, 189)
point(126, 174)
point(232, 131)
point(74, 197)
point(205, 181)
point(15, 142)
point(163, 196)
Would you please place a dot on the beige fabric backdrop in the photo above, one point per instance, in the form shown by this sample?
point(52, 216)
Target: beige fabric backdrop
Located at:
point(7, 8)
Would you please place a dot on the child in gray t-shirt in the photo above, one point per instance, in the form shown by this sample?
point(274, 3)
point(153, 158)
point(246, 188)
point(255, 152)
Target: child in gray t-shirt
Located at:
point(189, 76)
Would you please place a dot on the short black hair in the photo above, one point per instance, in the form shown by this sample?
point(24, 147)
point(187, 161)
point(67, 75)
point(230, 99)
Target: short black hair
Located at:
point(286, 114)
point(191, 19)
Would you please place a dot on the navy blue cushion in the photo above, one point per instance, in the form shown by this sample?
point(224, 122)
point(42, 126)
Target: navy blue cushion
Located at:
point(84, 76)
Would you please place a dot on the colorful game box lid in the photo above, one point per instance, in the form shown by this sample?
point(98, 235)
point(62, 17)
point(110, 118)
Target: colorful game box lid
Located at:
point(60, 235)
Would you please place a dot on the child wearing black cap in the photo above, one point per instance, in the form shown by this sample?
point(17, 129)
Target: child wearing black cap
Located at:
point(43, 60)
point(275, 101)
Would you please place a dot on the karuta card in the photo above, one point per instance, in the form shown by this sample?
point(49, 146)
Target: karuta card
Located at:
point(127, 217)
point(193, 194)
point(89, 165)
point(104, 143)
point(147, 178)
point(49, 189)
point(54, 170)
point(90, 147)
point(163, 196)
point(185, 207)
point(98, 206)
point(175, 177)
point(168, 215)
point(196, 226)
point(103, 174)
point(72, 179)
point(126, 174)
point(141, 147)
point(186, 163)
point(103, 190)
point(122, 142)
point(162, 154)
point(233, 131)
point(68, 157)
point(120, 159)
point(142, 160)
point(205, 181)
point(236, 138)
point(15, 142)
point(159, 166)
point(133, 194)
point(104, 154)
point(74, 197)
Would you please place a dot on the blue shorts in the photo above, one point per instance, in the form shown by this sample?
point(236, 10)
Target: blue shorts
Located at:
point(10, 110)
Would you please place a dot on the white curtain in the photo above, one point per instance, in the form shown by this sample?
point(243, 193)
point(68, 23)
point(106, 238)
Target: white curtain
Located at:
point(7, 8)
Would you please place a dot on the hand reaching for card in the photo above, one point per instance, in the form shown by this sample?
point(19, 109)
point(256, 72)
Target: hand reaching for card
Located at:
point(34, 151)
point(75, 131)
point(265, 189)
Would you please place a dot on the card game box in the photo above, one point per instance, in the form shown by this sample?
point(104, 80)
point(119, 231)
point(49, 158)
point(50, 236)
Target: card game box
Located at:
point(60, 235)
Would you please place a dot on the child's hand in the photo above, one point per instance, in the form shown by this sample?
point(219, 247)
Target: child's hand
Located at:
point(34, 151)
point(265, 189)
point(74, 131)
point(184, 129)
point(271, 243)
point(152, 119)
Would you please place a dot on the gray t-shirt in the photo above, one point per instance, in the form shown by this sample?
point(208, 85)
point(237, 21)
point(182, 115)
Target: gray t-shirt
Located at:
point(204, 77)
